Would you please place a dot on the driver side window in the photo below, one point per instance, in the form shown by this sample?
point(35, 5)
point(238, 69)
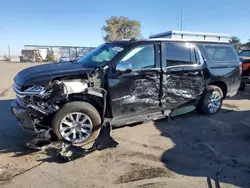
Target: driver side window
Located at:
point(141, 57)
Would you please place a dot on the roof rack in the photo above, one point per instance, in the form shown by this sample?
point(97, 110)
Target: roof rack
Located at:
point(198, 36)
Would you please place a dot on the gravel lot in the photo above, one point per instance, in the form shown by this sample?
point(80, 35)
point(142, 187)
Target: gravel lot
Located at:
point(186, 152)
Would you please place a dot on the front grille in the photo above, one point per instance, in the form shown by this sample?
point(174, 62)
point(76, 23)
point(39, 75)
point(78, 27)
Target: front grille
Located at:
point(24, 96)
point(29, 91)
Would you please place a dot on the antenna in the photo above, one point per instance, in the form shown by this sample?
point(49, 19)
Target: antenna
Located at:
point(182, 19)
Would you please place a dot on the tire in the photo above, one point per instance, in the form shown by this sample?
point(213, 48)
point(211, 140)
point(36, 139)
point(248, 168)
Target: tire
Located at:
point(203, 105)
point(242, 87)
point(78, 107)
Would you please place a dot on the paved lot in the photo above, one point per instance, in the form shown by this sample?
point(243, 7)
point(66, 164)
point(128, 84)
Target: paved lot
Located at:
point(182, 153)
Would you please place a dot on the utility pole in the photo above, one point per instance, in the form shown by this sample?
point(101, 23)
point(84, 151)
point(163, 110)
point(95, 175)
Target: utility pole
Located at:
point(9, 51)
point(182, 19)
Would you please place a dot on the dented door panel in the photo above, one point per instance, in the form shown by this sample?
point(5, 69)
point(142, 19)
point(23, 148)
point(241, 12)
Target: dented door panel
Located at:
point(181, 85)
point(182, 77)
point(136, 92)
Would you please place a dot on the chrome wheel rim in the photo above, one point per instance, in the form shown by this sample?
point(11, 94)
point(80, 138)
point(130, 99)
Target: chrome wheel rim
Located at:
point(214, 102)
point(76, 127)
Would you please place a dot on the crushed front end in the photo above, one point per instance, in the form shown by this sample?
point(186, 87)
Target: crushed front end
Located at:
point(35, 106)
point(32, 106)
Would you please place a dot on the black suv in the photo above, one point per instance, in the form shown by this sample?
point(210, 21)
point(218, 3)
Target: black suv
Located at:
point(125, 82)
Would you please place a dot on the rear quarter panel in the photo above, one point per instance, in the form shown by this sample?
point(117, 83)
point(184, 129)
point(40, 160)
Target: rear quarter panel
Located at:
point(223, 71)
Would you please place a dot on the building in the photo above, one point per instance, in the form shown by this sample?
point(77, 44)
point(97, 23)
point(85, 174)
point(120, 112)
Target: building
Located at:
point(193, 35)
point(70, 52)
point(245, 46)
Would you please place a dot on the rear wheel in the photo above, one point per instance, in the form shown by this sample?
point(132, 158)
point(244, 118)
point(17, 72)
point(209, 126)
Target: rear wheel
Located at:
point(77, 123)
point(211, 100)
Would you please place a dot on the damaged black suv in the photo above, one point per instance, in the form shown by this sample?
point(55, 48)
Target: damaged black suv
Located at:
point(124, 82)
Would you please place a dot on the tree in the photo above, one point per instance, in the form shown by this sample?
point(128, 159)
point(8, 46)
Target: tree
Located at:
point(118, 28)
point(236, 42)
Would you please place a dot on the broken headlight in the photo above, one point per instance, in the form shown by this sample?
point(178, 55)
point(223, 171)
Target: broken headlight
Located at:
point(29, 91)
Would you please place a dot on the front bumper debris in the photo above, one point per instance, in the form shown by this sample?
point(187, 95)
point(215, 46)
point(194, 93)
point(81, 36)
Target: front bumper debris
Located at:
point(103, 141)
point(22, 117)
point(66, 152)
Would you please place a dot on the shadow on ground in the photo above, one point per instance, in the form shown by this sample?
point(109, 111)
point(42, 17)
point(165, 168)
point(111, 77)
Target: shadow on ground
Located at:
point(204, 144)
point(12, 137)
point(242, 95)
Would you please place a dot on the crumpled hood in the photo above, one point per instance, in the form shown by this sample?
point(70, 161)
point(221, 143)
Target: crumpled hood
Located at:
point(42, 74)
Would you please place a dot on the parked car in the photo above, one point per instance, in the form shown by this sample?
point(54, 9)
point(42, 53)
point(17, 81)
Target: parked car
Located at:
point(245, 77)
point(245, 53)
point(125, 82)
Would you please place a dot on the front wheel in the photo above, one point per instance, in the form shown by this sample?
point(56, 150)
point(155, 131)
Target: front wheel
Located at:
point(77, 123)
point(211, 100)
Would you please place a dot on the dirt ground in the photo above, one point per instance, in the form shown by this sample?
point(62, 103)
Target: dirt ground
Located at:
point(185, 152)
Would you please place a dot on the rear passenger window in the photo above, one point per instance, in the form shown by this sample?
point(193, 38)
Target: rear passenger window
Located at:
point(179, 54)
point(221, 53)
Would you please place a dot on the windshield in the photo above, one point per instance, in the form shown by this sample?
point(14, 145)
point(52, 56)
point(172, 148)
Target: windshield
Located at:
point(245, 53)
point(101, 55)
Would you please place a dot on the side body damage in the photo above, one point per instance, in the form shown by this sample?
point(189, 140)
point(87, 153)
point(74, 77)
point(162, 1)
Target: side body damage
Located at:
point(135, 92)
point(152, 94)
point(179, 87)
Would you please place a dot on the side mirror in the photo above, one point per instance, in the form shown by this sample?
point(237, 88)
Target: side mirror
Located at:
point(124, 67)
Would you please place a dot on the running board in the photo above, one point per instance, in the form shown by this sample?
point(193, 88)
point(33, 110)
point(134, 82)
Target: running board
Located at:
point(182, 110)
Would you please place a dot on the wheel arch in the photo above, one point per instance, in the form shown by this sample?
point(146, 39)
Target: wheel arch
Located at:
point(222, 85)
point(97, 98)
point(95, 101)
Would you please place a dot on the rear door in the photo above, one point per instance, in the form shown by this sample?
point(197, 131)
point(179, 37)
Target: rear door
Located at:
point(182, 80)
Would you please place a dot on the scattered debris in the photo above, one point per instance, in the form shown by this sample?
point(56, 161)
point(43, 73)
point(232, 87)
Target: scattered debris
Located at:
point(68, 152)
point(104, 140)
point(42, 139)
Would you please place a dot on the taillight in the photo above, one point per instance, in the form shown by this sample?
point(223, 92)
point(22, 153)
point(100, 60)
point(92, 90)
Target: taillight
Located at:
point(245, 66)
